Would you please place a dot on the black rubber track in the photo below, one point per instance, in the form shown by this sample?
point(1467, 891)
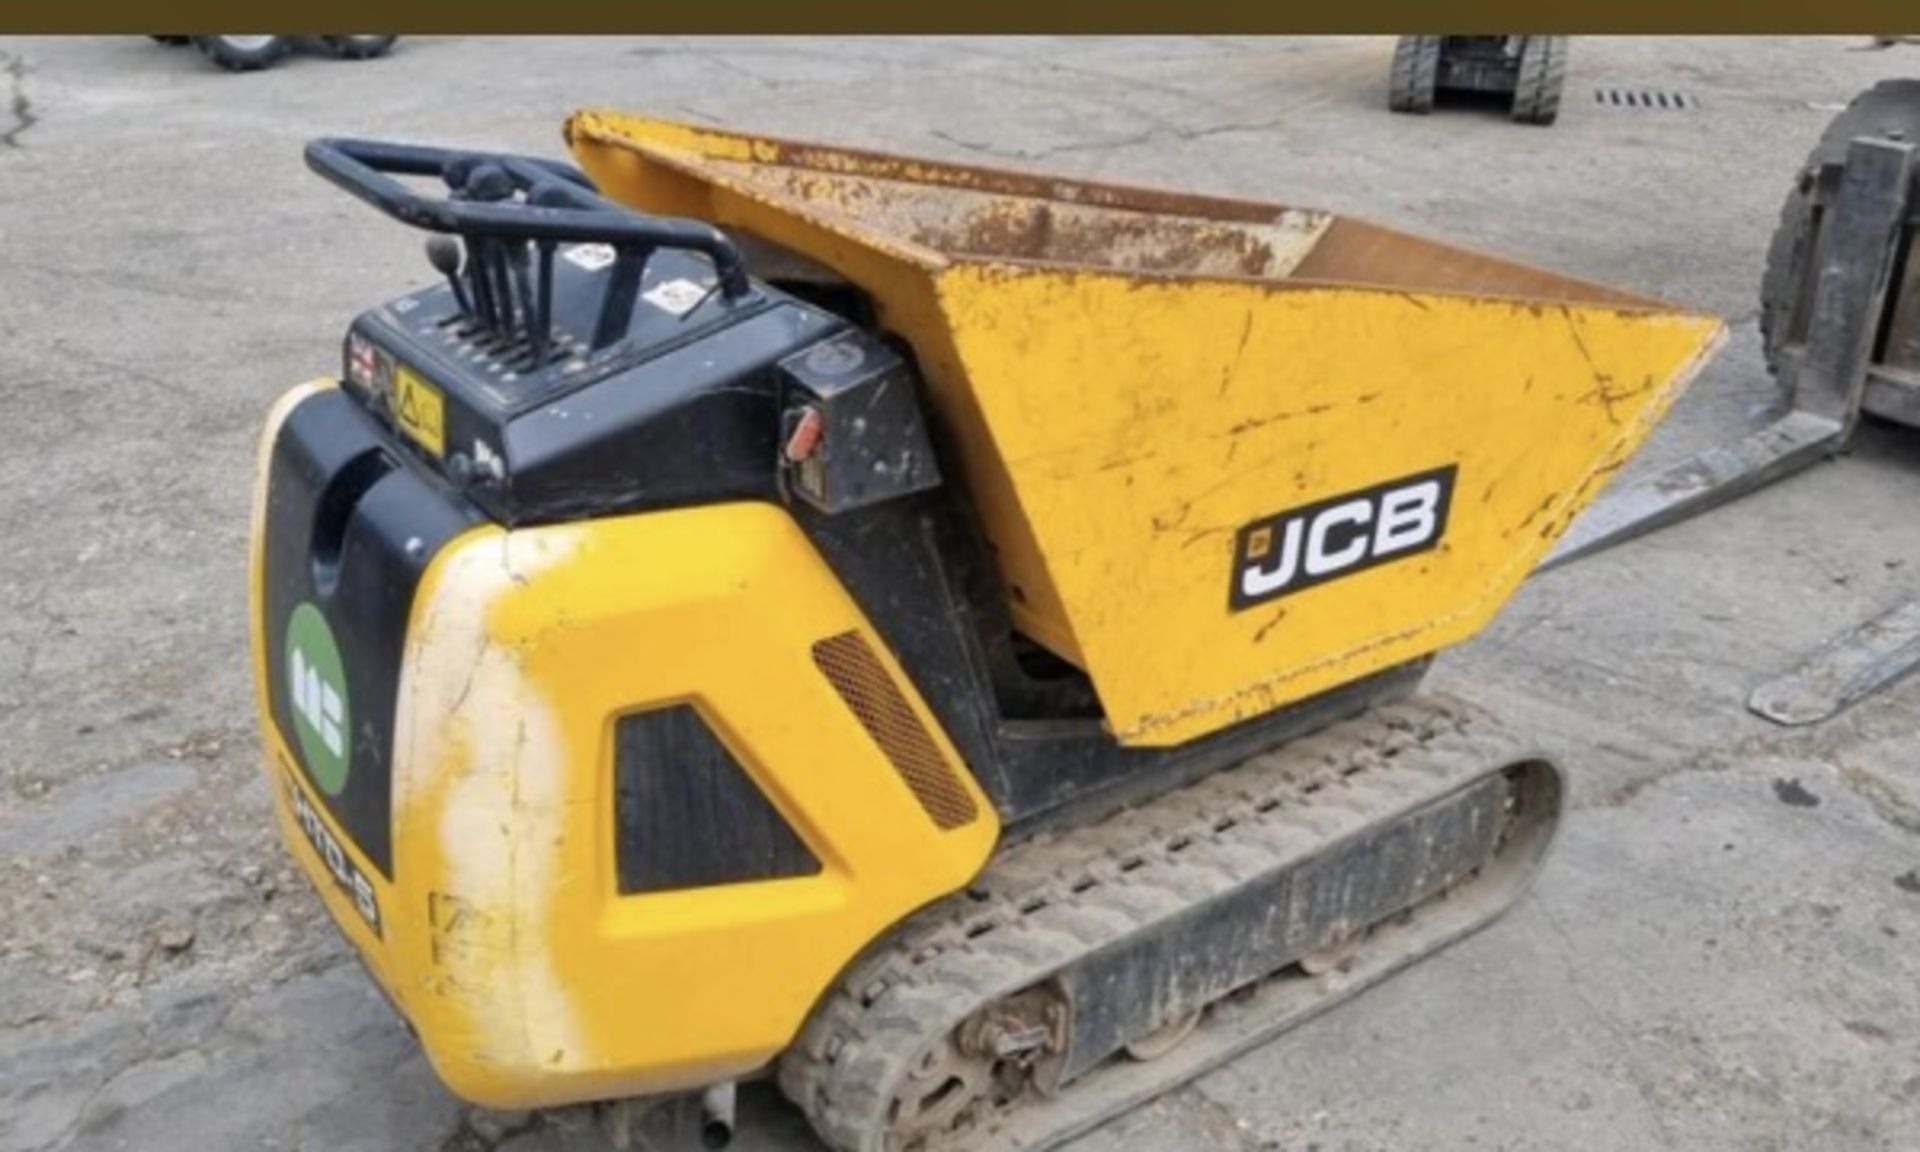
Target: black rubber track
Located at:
point(359, 47)
point(1543, 74)
point(1045, 904)
point(236, 58)
point(1416, 65)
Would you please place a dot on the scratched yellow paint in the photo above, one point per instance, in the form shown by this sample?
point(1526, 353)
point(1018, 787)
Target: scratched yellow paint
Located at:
point(1117, 427)
point(530, 979)
point(1198, 407)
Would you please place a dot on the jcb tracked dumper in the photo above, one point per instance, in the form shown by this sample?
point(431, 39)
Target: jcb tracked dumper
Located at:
point(944, 637)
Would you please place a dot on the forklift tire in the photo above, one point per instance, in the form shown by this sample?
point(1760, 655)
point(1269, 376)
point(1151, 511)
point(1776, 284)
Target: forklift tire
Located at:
point(1416, 67)
point(1543, 73)
point(359, 47)
point(1891, 109)
point(243, 53)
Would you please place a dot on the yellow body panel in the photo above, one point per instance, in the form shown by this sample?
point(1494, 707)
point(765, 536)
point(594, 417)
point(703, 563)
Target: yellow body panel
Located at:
point(507, 945)
point(1140, 495)
point(1131, 377)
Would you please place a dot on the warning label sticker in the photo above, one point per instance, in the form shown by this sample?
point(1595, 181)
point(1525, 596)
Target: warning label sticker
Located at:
point(420, 411)
point(592, 257)
point(677, 297)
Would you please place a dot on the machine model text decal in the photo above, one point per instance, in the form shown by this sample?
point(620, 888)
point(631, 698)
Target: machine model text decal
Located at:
point(1286, 552)
point(346, 874)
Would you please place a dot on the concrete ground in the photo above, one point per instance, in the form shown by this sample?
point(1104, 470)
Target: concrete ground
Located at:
point(1720, 956)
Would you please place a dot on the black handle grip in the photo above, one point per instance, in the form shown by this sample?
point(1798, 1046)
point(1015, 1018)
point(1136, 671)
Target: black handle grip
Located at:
point(556, 202)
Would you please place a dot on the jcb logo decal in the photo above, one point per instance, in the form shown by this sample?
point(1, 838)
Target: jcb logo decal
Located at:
point(317, 689)
point(1297, 549)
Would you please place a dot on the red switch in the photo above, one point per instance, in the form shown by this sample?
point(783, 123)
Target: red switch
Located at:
point(804, 440)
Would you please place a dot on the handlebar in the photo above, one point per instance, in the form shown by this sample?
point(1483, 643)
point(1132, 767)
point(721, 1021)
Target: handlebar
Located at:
point(500, 195)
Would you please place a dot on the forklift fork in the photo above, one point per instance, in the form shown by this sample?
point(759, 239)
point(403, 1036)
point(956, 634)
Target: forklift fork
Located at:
point(1828, 380)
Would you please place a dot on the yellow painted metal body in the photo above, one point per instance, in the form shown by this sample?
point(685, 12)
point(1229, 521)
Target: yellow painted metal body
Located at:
point(1131, 376)
point(506, 942)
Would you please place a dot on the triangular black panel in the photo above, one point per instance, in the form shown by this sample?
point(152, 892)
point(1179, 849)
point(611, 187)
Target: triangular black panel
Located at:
point(688, 815)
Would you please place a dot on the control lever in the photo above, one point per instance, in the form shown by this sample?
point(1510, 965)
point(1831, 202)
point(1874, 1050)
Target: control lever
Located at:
point(485, 182)
point(516, 261)
point(544, 194)
point(443, 252)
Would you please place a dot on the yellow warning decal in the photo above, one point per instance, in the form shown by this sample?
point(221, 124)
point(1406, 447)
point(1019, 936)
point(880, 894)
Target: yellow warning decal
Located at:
point(421, 412)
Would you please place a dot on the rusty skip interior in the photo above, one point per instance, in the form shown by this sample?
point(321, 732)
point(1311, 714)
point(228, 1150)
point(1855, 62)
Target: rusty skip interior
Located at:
point(956, 213)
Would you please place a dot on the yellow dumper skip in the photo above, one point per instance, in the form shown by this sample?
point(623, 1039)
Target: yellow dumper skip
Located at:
point(1227, 454)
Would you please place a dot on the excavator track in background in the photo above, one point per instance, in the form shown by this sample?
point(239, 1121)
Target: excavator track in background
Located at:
point(1059, 990)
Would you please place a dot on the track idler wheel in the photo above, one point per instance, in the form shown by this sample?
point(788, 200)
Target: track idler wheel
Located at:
point(1165, 1038)
point(944, 1097)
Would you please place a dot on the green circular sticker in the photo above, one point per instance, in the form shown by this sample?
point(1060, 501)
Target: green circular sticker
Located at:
point(317, 688)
